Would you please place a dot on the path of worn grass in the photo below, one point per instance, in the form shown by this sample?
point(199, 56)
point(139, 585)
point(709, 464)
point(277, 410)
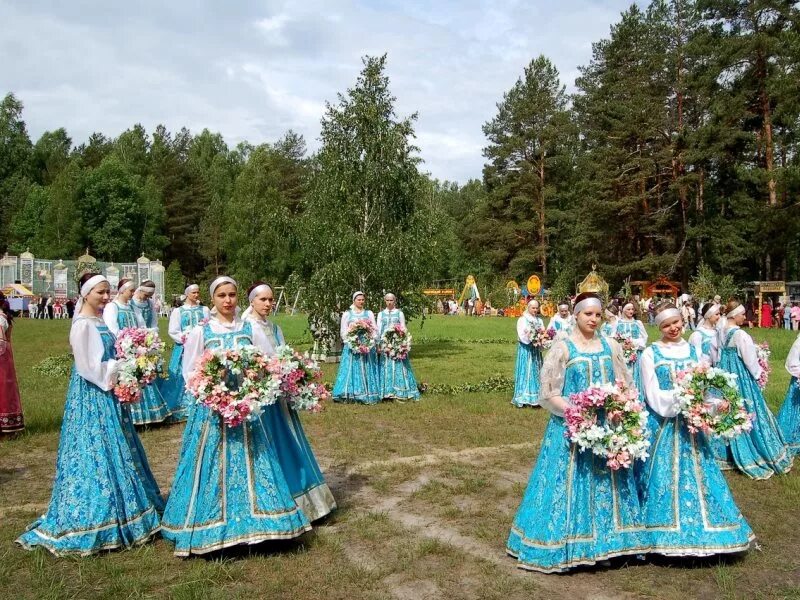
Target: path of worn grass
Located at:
point(427, 491)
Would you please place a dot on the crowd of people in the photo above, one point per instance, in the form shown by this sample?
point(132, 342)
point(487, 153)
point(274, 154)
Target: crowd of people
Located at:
point(260, 481)
point(677, 503)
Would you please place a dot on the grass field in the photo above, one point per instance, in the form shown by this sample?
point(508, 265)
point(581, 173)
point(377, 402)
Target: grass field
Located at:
point(427, 492)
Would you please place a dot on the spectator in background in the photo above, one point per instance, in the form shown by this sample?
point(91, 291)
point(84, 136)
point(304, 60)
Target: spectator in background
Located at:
point(70, 305)
point(795, 316)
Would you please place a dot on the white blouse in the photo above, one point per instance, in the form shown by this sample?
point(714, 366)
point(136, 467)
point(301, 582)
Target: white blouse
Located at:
point(747, 350)
point(793, 360)
point(194, 346)
point(174, 329)
point(697, 338)
point(272, 338)
point(661, 401)
point(87, 348)
point(111, 316)
point(346, 320)
point(526, 323)
point(566, 324)
point(555, 366)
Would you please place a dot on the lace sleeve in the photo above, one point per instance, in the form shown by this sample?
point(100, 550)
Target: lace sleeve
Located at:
point(552, 379)
point(620, 370)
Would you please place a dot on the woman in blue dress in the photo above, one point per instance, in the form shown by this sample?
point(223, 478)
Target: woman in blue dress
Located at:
point(562, 322)
point(762, 451)
point(104, 494)
point(358, 378)
point(789, 415)
point(142, 303)
point(181, 322)
point(529, 358)
point(628, 325)
point(303, 475)
point(687, 506)
point(576, 510)
point(611, 317)
point(229, 488)
point(396, 377)
point(705, 339)
point(119, 314)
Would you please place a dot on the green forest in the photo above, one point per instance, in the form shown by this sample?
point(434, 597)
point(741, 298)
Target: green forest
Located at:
point(679, 147)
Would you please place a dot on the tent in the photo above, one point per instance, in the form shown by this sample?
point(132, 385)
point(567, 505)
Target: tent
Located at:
point(16, 290)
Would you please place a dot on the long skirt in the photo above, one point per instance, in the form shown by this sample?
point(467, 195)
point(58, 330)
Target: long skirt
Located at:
point(358, 378)
point(575, 511)
point(11, 419)
point(789, 417)
point(688, 507)
point(151, 408)
point(397, 379)
point(229, 489)
point(104, 494)
point(762, 451)
point(173, 389)
point(297, 461)
point(526, 376)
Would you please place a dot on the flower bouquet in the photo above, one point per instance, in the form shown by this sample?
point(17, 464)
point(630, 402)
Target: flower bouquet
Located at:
point(396, 342)
point(610, 421)
point(300, 379)
point(542, 338)
point(360, 336)
point(140, 353)
point(709, 401)
point(763, 352)
point(629, 351)
point(234, 383)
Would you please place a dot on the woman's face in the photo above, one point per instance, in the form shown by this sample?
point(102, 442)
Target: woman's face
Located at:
point(193, 297)
point(628, 311)
point(563, 311)
point(739, 319)
point(588, 320)
point(126, 295)
point(390, 301)
point(533, 309)
point(713, 319)
point(359, 301)
point(225, 300)
point(262, 304)
point(99, 296)
point(671, 329)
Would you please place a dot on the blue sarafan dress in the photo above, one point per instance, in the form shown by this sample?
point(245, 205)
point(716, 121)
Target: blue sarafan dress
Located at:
point(295, 456)
point(634, 329)
point(688, 507)
point(358, 377)
point(104, 494)
point(762, 451)
point(789, 415)
point(396, 377)
point(173, 389)
point(152, 408)
point(529, 363)
point(706, 344)
point(576, 510)
point(229, 488)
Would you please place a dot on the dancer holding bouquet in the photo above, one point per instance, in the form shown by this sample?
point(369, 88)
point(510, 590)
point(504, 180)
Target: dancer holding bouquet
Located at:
point(632, 336)
point(181, 322)
point(118, 315)
point(358, 377)
point(762, 451)
point(303, 475)
point(580, 508)
point(789, 416)
point(688, 508)
point(229, 488)
point(104, 494)
point(533, 339)
point(396, 377)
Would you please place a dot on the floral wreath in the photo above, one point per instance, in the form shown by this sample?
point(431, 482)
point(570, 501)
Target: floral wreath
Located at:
point(396, 342)
point(709, 400)
point(360, 336)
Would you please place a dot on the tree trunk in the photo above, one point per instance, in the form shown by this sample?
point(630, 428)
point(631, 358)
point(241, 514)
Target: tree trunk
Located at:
point(542, 227)
point(766, 115)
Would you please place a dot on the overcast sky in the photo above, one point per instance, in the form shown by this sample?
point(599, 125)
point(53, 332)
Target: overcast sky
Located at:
point(251, 70)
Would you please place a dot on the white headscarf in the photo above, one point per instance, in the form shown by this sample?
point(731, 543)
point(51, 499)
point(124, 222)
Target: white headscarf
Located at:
point(87, 287)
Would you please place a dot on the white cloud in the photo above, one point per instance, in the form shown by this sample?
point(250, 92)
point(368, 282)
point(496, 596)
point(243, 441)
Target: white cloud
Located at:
point(252, 70)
